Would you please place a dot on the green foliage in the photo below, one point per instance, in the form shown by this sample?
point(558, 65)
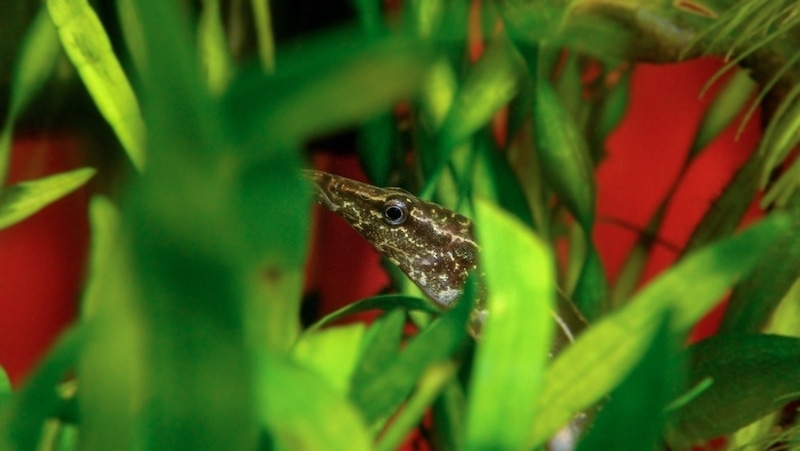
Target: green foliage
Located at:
point(190, 338)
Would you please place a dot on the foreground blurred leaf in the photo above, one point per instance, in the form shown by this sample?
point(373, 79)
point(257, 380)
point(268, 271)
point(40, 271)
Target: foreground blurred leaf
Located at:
point(334, 81)
point(19, 201)
point(85, 41)
point(23, 417)
point(610, 349)
point(36, 60)
point(642, 396)
point(213, 47)
point(190, 254)
point(753, 375)
point(300, 410)
point(385, 302)
point(515, 338)
point(332, 352)
point(379, 348)
point(381, 395)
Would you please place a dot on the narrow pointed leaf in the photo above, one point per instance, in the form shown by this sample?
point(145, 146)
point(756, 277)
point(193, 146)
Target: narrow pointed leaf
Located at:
point(86, 43)
point(515, 339)
point(19, 201)
point(753, 374)
point(37, 58)
point(564, 154)
point(610, 349)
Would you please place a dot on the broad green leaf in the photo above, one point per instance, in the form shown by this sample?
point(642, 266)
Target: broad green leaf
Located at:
point(512, 352)
point(85, 42)
point(757, 295)
point(213, 47)
point(22, 200)
point(563, 154)
point(381, 395)
point(25, 414)
point(379, 348)
point(328, 83)
point(611, 348)
point(641, 397)
point(194, 264)
point(301, 411)
point(332, 352)
point(753, 374)
point(36, 60)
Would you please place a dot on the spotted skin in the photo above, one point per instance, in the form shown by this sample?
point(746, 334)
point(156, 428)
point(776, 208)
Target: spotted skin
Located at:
point(431, 244)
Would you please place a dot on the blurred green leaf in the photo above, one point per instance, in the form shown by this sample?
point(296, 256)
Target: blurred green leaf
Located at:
point(266, 40)
point(85, 42)
point(753, 375)
point(428, 388)
point(611, 348)
point(757, 295)
point(104, 219)
point(448, 417)
point(23, 417)
point(729, 208)
point(213, 47)
point(376, 140)
point(515, 338)
point(591, 290)
point(381, 395)
point(22, 200)
point(612, 110)
point(727, 104)
point(332, 352)
point(36, 60)
point(300, 410)
point(641, 397)
point(328, 83)
point(564, 154)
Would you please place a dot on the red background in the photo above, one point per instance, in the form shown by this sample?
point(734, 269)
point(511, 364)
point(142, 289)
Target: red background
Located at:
point(42, 259)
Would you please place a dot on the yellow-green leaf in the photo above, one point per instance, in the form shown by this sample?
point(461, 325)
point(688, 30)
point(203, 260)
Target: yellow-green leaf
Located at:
point(86, 43)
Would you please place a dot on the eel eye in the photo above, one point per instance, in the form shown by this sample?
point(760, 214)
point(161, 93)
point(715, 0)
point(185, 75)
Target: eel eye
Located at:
point(395, 212)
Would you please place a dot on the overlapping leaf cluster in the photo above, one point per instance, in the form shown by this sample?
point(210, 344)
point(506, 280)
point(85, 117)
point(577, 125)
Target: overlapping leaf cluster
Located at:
point(190, 335)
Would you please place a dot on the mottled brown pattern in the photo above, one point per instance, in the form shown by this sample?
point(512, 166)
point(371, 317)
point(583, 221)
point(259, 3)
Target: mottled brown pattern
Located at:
point(431, 244)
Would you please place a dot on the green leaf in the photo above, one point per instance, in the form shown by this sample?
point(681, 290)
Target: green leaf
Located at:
point(381, 395)
point(36, 60)
point(727, 105)
point(25, 415)
point(266, 40)
point(331, 82)
point(611, 348)
point(641, 396)
point(385, 302)
point(515, 338)
point(22, 200)
point(332, 352)
point(564, 155)
point(729, 208)
point(380, 347)
point(757, 295)
point(301, 411)
point(213, 47)
point(490, 84)
point(753, 375)
point(88, 47)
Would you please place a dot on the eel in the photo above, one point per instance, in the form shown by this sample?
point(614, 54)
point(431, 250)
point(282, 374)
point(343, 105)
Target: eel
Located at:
point(436, 248)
